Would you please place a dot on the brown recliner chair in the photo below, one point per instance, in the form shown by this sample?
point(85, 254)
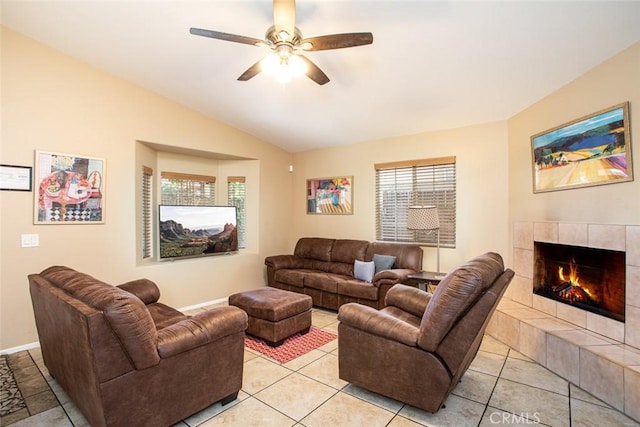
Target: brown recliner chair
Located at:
point(127, 360)
point(417, 348)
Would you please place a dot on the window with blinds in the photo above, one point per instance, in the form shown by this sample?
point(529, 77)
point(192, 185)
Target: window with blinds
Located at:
point(187, 190)
point(147, 192)
point(426, 182)
point(236, 197)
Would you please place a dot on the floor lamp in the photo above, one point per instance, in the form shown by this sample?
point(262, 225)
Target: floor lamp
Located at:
point(426, 218)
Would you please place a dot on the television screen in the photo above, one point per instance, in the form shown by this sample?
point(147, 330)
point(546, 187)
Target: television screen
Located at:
point(191, 231)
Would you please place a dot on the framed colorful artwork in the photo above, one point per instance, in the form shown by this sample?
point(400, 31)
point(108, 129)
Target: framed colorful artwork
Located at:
point(591, 150)
point(69, 189)
point(330, 196)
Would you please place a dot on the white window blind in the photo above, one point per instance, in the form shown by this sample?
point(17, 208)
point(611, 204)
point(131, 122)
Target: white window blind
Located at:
point(236, 197)
point(187, 190)
point(426, 182)
point(147, 192)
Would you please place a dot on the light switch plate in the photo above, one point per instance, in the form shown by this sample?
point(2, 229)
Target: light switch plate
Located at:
point(30, 240)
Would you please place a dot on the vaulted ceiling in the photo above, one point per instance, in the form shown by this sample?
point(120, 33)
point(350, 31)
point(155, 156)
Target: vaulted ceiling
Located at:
point(432, 65)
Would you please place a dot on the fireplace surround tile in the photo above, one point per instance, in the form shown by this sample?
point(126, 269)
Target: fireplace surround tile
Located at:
point(572, 314)
point(523, 262)
point(632, 391)
point(573, 234)
point(545, 305)
point(602, 378)
point(563, 358)
point(520, 290)
point(605, 326)
point(618, 353)
point(632, 331)
point(633, 285)
point(545, 232)
point(606, 236)
point(633, 245)
point(533, 343)
point(523, 235)
point(508, 330)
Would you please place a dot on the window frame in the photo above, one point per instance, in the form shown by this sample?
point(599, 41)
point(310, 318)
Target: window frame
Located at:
point(423, 182)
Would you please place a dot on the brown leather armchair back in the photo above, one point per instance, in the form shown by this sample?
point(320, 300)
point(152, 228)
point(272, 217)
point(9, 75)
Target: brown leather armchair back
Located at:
point(126, 359)
point(417, 348)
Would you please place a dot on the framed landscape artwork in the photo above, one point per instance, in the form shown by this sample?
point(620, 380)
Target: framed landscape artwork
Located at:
point(330, 196)
point(591, 150)
point(69, 189)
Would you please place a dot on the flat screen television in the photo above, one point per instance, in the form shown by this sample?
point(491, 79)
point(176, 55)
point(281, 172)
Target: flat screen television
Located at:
point(194, 231)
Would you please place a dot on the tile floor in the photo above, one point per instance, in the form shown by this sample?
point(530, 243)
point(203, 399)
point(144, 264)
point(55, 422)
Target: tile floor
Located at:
point(501, 387)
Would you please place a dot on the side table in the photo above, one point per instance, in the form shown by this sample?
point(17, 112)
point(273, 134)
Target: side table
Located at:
point(425, 280)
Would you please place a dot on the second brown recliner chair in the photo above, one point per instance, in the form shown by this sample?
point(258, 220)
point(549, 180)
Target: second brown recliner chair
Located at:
point(416, 349)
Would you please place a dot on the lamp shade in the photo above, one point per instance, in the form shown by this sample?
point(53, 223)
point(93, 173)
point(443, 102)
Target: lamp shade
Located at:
point(423, 218)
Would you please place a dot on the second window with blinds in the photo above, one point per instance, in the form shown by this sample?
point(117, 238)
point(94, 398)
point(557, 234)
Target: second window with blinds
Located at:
point(425, 182)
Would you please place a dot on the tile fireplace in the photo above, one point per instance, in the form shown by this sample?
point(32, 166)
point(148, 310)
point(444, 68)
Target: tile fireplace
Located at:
point(591, 279)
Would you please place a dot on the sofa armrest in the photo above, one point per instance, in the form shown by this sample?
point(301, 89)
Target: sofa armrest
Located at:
point(201, 329)
point(144, 289)
point(409, 299)
point(391, 277)
point(278, 262)
point(378, 323)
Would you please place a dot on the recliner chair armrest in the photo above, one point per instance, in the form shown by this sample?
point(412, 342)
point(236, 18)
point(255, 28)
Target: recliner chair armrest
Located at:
point(391, 277)
point(408, 298)
point(201, 329)
point(379, 323)
point(144, 289)
point(283, 261)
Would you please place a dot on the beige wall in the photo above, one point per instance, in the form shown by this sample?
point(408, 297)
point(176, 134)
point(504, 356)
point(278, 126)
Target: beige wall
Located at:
point(55, 103)
point(481, 157)
point(612, 82)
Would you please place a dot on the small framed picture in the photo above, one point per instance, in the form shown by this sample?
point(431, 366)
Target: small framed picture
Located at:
point(15, 178)
point(330, 196)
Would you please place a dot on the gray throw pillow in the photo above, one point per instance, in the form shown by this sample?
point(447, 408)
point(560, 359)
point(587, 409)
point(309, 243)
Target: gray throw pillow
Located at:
point(383, 262)
point(364, 270)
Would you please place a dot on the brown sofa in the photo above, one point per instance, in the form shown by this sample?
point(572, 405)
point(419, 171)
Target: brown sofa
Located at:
point(417, 348)
point(324, 269)
point(127, 360)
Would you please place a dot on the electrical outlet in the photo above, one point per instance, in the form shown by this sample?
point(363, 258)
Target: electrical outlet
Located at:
point(30, 240)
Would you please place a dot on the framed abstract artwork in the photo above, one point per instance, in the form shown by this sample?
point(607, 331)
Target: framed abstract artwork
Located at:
point(69, 189)
point(330, 196)
point(591, 150)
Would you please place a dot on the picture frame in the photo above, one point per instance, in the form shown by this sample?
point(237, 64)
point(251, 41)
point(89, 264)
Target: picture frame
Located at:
point(591, 150)
point(69, 189)
point(15, 178)
point(330, 196)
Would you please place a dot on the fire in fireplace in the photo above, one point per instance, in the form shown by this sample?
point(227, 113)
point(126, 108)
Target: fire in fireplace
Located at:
point(588, 278)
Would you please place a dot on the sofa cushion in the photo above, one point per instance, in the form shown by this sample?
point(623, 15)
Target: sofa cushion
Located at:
point(363, 270)
point(407, 256)
point(347, 251)
point(357, 289)
point(455, 293)
point(292, 277)
point(314, 248)
point(322, 281)
point(383, 262)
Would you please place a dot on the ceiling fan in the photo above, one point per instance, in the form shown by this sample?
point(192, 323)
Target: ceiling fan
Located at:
point(286, 43)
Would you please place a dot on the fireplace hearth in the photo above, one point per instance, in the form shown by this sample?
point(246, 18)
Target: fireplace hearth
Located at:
point(587, 278)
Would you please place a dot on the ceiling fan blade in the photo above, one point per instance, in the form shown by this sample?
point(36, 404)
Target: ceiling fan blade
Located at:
point(251, 72)
point(284, 16)
point(337, 41)
point(314, 72)
point(226, 36)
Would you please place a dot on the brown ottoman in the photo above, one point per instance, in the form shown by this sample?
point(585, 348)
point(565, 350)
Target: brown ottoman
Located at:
point(274, 314)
